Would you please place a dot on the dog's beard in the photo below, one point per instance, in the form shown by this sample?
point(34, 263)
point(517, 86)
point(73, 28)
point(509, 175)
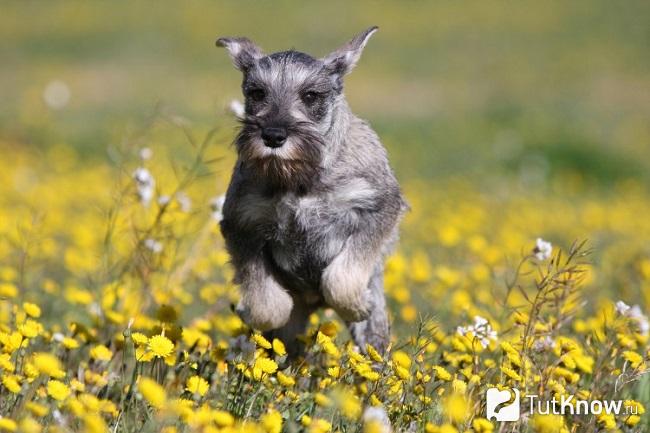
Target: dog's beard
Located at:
point(293, 166)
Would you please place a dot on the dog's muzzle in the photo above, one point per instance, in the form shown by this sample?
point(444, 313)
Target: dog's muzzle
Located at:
point(274, 137)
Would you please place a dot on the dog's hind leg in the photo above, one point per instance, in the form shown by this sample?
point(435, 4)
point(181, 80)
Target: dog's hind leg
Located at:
point(375, 330)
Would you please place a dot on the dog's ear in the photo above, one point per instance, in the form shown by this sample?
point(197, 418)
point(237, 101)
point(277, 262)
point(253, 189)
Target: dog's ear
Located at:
point(343, 60)
point(243, 51)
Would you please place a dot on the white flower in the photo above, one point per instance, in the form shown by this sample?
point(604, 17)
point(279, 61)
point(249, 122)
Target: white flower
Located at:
point(146, 153)
point(153, 245)
point(622, 308)
point(377, 416)
point(145, 184)
point(236, 108)
point(184, 202)
point(641, 319)
point(544, 344)
point(635, 314)
point(216, 206)
point(56, 94)
point(163, 200)
point(481, 330)
point(543, 249)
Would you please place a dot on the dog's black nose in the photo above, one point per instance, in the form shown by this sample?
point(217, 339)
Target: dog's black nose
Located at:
point(274, 136)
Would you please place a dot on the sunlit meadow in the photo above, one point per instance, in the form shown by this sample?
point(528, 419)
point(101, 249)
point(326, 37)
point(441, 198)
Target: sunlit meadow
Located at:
point(524, 261)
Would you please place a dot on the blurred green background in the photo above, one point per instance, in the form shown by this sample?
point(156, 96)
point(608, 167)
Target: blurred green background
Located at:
point(520, 91)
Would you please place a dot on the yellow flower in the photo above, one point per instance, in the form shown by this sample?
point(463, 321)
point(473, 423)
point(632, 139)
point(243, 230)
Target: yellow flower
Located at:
point(548, 424)
point(272, 421)
point(482, 425)
point(335, 372)
point(7, 424)
point(328, 346)
point(161, 346)
point(29, 425)
point(57, 390)
point(197, 385)
point(319, 426)
point(32, 310)
point(347, 402)
point(48, 364)
point(607, 420)
point(632, 420)
point(223, 418)
point(263, 366)
point(101, 353)
point(456, 408)
point(94, 423)
point(8, 290)
point(374, 355)
point(441, 373)
point(38, 410)
point(152, 392)
point(633, 358)
point(139, 338)
point(30, 329)
point(322, 400)
point(285, 380)
point(402, 372)
point(459, 386)
point(278, 347)
point(5, 363)
point(70, 343)
point(261, 341)
point(511, 373)
point(11, 382)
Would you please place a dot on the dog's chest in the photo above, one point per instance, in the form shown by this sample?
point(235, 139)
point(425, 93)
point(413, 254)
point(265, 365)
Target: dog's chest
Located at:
point(307, 233)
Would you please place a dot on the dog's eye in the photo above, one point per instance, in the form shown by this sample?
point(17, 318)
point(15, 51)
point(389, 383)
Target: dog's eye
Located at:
point(310, 97)
point(256, 94)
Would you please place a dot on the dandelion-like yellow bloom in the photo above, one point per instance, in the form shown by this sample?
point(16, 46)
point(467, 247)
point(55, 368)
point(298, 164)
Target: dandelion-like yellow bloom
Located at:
point(278, 347)
point(223, 418)
point(139, 338)
point(101, 353)
point(48, 364)
point(261, 341)
point(160, 346)
point(57, 390)
point(285, 380)
point(197, 385)
point(548, 424)
point(32, 310)
point(272, 421)
point(11, 382)
point(7, 424)
point(152, 392)
point(264, 366)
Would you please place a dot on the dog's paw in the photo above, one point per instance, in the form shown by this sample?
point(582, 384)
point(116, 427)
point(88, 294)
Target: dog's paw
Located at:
point(265, 308)
point(345, 289)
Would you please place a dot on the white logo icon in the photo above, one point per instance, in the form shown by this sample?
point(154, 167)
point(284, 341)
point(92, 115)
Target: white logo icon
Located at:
point(502, 405)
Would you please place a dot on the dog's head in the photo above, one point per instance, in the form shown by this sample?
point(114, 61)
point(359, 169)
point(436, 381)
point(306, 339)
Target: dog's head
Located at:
point(290, 109)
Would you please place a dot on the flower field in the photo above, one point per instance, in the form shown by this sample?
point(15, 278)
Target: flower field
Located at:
point(116, 307)
point(518, 131)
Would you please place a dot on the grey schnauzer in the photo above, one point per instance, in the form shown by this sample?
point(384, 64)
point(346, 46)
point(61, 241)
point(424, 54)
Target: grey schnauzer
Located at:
point(313, 206)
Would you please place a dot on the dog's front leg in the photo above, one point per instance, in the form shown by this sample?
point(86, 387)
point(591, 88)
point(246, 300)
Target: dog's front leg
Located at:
point(264, 304)
point(345, 280)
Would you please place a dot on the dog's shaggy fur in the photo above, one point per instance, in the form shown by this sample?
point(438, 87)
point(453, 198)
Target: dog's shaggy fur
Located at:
point(309, 219)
